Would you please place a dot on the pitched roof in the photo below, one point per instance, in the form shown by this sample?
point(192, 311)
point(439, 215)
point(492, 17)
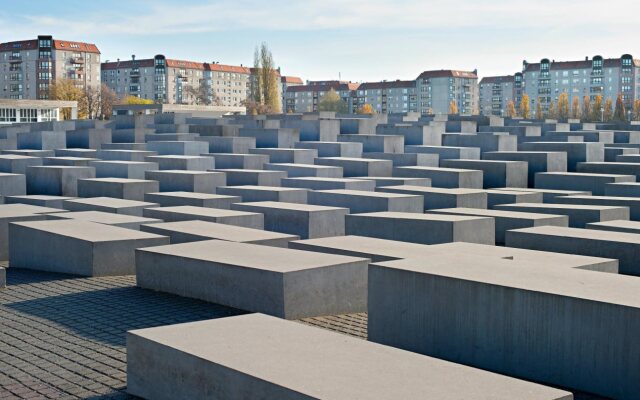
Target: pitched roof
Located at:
point(172, 63)
point(291, 79)
point(57, 45)
point(127, 64)
point(497, 79)
point(387, 85)
point(448, 73)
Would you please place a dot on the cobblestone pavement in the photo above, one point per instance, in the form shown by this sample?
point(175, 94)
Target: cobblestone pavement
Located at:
point(63, 337)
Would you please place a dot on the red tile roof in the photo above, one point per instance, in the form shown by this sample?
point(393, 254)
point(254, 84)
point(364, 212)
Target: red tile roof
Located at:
point(291, 79)
point(448, 73)
point(229, 68)
point(497, 79)
point(171, 63)
point(387, 85)
point(57, 45)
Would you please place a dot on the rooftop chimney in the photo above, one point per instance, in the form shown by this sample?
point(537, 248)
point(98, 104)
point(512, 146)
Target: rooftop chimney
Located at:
point(133, 56)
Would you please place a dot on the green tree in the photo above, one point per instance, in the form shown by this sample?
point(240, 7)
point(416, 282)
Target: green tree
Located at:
point(620, 114)
point(563, 106)
point(525, 107)
point(331, 101)
point(608, 109)
point(596, 109)
point(575, 108)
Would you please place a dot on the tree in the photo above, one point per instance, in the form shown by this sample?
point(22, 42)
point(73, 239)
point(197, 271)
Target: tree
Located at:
point(525, 107)
point(453, 107)
point(201, 95)
point(265, 82)
point(539, 113)
point(66, 89)
point(366, 109)
point(331, 101)
point(586, 109)
point(511, 109)
point(608, 110)
point(596, 108)
point(551, 111)
point(620, 114)
point(636, 110)
point(575, 108)
point(107, 99)
point(563, 106)
point(131, 100)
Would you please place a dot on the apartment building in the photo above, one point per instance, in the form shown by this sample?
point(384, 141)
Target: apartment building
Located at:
point(286, 82)
point(437, 89)
point(387, 97)
point(544, 81)
point(305, 98)
point(495, 93)
point(29, 66)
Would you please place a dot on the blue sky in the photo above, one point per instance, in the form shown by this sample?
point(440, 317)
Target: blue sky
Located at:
point(357, 40)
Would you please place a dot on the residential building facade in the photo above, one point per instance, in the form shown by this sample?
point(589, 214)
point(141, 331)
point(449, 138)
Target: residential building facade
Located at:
point(437, 89)
point(305, 98)
point(286, 82)
point(28, 67)
point(495, 93)
point(387, 97)
point(546, 80)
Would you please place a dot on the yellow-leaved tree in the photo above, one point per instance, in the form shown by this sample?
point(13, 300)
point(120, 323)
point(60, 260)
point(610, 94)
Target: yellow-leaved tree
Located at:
point(575, 108)
point(366, 108)
point(66, 89)
point(511, 109)
point(563, 106)
point(453, 107)
point(525, 107)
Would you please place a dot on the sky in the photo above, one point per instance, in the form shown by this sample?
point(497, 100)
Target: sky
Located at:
point(354, 40)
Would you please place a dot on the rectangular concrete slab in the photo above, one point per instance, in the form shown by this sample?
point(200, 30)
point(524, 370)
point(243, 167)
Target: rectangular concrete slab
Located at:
point(193, 231)
point(422, 228)
point(196, 199)
point(364, 202)
point(285, 283)
point(108, 204)
point(435, 198)
point(250, 193)
point(189, 213)
point(444, 177)
point(107, 218)
point(314, 183)
point(561, 326)
point(90, 249)
point(579, 215)
point(235, 358)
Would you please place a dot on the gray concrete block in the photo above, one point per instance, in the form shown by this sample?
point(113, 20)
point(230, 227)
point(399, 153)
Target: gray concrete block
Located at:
point(407, 159)
point(182, 148)
point(17, 164)
point(37, 200)
point(193, 231)
point(365, 202)
point(333, 149)
point(537, 161)
point(496, 173)
point(623, 189)
point(173, 199)
point(78, 153)
point(235, 145)
point(123, 169)
point(187, 181)
point(382, 181)
point(495, 197)
point(108, 204)
point(305, 221)
point(42, 140)
point(183, 162)
point(548, 195)
point(435, 198)
point(285, 283)
point(233, 353)
point(444, 177)
point(422, 228)
point(358, 166)
point(107, 218)
point(376, 143)
point(506, 220)
point(91, 249)
point(288, 156)
point(485, 141)
point(314, 183)
point(616, 226)
point(579, 215)
point(620, 168)
point(576, 151)
point(594, 183)
point(129, 189)
point(9, 215)
point(302, 170)
point(265, 193)
point(282, 137)
point(221, 216)
point(124, 155)
point(12, 184)
point(446, 152)
point(256, 177)
point(633, 204)
point(239, 160)
point(69, 161)
point(550, 321)
point(57, 180)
